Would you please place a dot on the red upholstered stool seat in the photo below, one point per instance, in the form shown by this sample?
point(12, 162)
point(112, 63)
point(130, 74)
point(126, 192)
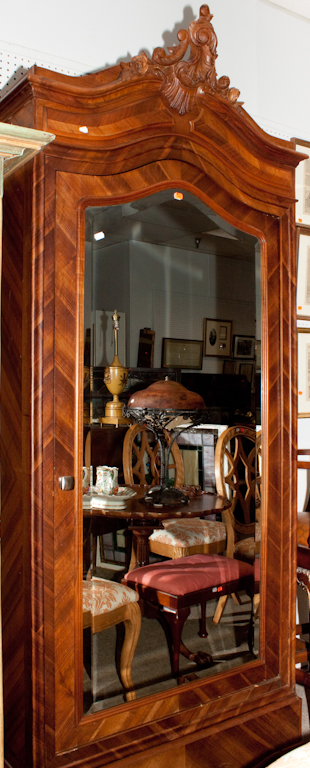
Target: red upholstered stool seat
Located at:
point(168, 589)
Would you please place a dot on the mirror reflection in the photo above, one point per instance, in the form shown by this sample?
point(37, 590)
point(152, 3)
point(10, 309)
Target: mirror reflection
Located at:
point(170, 593)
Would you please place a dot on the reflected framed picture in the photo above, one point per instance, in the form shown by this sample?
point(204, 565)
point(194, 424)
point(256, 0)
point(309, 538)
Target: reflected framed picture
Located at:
point(258, 355)
point(217, 337)
point(181, 353)
point(303, 275)
point(246, 370)
point(229, 366)
point(303, 338)
point(302, 184)
point(244, 347)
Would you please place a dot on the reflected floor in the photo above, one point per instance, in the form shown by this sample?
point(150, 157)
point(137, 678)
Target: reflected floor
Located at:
point(151, 673)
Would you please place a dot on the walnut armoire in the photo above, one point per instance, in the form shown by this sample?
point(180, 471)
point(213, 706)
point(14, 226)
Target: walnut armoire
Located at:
point(122, 134)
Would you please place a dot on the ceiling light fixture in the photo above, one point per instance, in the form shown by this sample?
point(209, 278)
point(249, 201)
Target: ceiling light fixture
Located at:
point(99, 235)
point(178, 195)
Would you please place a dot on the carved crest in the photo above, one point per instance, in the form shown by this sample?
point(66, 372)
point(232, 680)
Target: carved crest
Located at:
point(184, 82)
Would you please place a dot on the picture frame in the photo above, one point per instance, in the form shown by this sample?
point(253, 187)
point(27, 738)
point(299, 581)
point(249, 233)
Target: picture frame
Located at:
point(246, 370)
point(258, 355)
point(303, 275)
point(229, 367)
point(302, 184)
point(303, 389)
point(217, 335)
point(181, 353)
point(244, 347)
point(146, 348)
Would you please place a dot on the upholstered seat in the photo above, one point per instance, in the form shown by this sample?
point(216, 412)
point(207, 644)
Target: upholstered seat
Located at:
point(246, 549)
point(102, 596)
point(194, 535)
point(297, 758)
point(106, 604)
point(169, 589)
point(180, 538)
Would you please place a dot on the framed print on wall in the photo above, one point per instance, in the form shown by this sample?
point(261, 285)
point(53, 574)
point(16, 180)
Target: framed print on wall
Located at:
point(217, 337)
point(244, 347)
point(181, 353)
point(303, 275)
point(258, 352)
point(246, 369)
point(229, 366)
point(302, 184)
point(303, 336)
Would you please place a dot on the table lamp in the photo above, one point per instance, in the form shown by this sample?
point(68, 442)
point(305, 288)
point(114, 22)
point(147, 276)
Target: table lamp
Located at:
point(115, 379)
point(156, 408)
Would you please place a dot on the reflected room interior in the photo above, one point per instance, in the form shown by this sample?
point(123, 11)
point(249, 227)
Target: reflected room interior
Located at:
point(169, 264)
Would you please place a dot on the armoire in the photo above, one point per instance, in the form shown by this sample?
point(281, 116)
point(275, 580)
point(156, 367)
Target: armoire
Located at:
point(122, 134)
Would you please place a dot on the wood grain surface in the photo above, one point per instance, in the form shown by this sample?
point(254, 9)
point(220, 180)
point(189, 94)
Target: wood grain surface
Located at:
point(138, 142)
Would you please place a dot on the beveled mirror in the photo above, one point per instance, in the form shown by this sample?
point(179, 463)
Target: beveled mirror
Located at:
point(168, 262)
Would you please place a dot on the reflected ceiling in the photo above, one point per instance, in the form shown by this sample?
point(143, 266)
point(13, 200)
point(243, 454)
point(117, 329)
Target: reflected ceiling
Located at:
point(187, 224)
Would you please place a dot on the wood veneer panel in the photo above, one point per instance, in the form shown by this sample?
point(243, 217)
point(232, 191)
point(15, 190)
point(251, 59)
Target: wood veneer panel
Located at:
point(248, 743)
point(59, 592)
point(71, 189)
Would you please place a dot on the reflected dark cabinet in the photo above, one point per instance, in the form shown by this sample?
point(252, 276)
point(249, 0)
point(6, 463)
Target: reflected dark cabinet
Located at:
point(122, 134)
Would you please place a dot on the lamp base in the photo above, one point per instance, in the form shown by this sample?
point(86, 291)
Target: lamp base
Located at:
point(165, 496)
point(114, 420)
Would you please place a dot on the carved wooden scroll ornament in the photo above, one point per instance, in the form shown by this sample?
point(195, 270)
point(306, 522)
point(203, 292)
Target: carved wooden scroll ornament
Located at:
point(184, 82)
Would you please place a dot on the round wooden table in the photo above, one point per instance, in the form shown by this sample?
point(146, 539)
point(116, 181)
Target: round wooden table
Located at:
point(142, 517)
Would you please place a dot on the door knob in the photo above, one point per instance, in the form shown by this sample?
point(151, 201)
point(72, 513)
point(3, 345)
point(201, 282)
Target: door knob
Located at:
point(66, 483)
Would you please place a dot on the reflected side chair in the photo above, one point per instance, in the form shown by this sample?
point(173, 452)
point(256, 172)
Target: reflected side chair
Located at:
point(302, 655)
point(238, 478)
point(177, 538)
point(107, 604)
point(104, 445)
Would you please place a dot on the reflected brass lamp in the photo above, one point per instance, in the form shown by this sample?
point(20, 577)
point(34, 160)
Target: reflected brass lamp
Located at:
point(161, 406)
point(115, 379)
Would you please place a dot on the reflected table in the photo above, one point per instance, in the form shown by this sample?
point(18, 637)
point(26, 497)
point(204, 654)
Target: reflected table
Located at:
point(141, 518)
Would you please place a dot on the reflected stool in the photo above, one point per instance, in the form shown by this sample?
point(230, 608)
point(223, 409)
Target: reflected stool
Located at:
point(168, 590)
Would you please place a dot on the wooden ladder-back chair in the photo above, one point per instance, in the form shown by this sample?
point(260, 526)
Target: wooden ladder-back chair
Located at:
point(177, 538)
point(238, 478)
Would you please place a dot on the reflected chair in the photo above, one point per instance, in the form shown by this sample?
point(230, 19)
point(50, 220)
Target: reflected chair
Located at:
point(238, 478)
point(177, 538)
point(104, 445)
point(167, 591)
point(303, 515)
point(106, 604)
point(141, 458)
point(302, 655)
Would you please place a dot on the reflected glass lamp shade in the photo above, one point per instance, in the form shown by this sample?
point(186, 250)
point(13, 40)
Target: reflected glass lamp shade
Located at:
point(156, 407)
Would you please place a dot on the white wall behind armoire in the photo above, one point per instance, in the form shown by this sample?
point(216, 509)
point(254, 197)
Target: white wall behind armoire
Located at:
point(263, 46)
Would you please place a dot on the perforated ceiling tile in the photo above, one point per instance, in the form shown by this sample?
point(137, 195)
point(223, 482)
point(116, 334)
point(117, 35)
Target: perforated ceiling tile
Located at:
point(14, 64)
point(16, 60)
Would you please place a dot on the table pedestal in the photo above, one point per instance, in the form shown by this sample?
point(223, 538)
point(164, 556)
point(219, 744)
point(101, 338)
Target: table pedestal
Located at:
point(140, 545)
